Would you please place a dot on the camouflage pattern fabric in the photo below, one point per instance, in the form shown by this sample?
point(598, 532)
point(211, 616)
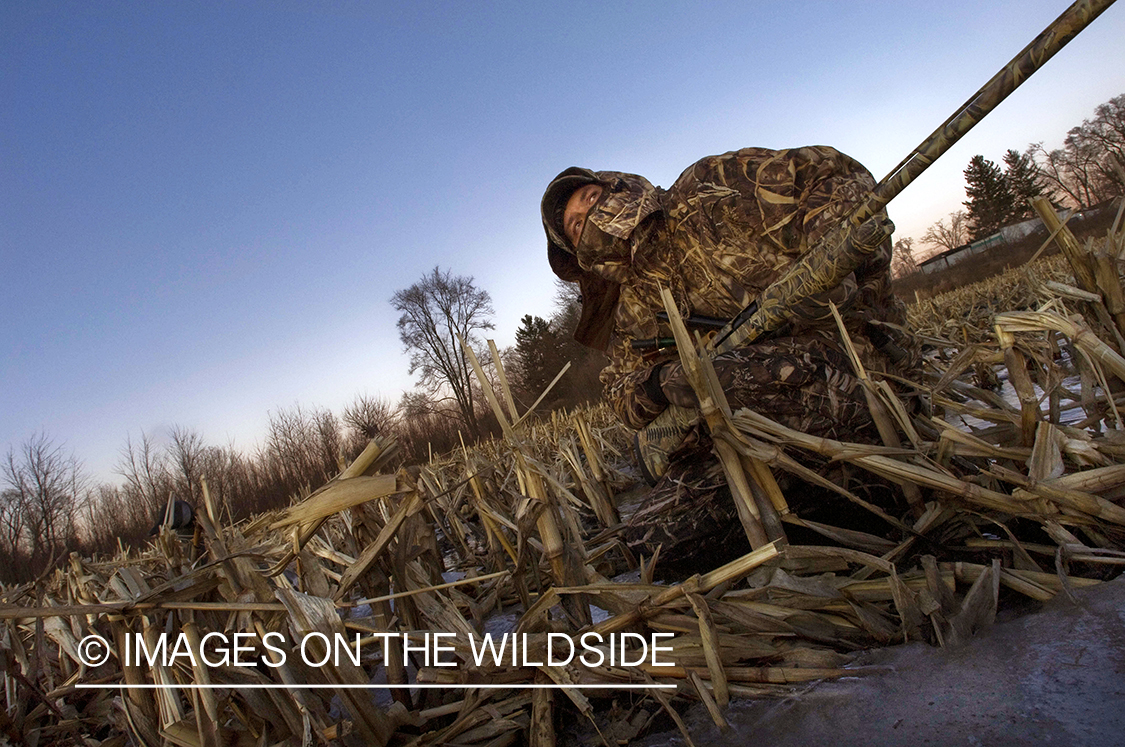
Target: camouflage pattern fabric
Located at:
point(689, 514)
point(802, 382)
point(728, 227)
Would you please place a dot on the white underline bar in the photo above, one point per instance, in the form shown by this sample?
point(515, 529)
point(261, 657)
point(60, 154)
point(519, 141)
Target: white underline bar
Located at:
point(422, 686)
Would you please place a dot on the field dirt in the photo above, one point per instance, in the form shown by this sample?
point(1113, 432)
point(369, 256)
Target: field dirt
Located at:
point(1016, 683)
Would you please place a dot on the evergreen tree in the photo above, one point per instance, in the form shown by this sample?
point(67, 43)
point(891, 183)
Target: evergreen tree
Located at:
point(582, 382)
point(990, 202)
point(537, 353)
point(1023, 182)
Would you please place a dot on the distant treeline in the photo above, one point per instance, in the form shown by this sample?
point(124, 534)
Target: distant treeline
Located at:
point(1088, 170)
point(50, 507)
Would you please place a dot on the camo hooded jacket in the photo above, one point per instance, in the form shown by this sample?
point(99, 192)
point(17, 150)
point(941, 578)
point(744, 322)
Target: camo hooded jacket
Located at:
point(727, 228)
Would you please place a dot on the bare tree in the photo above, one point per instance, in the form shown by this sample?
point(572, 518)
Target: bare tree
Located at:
point(49, 487)
point(1108, 127)
point(148, 480)
point(434, 312)
point(369, 415)
point(427, 425)
point(303, 446)
point(364, 418)
point(186, 453)
point(902, 259)
point(1083, 172)
point(949, 234)
point(13, 516)
point(112, 516)
point(229, 480)
point(1071, 171)
point(329, 442)
point(1056, 172)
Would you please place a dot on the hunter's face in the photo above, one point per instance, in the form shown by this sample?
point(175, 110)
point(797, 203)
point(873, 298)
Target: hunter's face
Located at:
point(577, 207)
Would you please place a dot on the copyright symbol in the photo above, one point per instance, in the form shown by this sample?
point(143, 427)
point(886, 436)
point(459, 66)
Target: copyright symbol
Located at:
point(93, 650)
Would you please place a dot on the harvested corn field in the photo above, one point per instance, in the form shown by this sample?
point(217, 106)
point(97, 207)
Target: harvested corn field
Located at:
point(486, 598)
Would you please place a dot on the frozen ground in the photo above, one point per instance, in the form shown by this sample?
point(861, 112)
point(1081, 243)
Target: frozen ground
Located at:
point(1053, 677)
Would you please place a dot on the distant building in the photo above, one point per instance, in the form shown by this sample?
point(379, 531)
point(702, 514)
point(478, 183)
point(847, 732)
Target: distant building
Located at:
point(957, 254)
point(1009, 235)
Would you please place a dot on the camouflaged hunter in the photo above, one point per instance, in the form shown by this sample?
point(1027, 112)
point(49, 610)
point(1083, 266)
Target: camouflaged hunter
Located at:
point(726, 229)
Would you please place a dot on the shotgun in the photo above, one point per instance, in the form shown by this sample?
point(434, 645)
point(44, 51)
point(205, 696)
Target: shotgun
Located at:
point(827, 264)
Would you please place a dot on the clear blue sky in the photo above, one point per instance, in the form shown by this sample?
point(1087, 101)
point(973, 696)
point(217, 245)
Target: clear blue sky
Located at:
point(205, 207)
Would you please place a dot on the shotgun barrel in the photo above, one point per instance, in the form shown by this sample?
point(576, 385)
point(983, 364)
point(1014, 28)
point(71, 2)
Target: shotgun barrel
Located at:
point(828, 263)
point(844, 249)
